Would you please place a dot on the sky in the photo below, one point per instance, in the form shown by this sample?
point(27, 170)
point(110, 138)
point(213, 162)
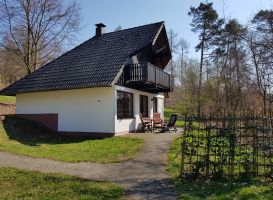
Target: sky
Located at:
point(131, 13)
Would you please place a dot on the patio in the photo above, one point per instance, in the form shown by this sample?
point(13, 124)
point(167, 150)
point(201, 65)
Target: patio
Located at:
point(157, 123)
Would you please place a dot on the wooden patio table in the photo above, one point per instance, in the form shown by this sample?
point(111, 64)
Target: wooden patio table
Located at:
point(147, 119)
point(150, 120)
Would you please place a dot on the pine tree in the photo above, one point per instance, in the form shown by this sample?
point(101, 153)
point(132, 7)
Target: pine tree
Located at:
point(206, 22)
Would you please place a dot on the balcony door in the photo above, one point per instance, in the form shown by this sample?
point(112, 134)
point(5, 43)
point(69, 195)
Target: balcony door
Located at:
point(143, 107)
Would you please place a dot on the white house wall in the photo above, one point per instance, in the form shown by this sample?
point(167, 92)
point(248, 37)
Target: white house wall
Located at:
point(160, 105)
point(125, 125)
point(79, 110)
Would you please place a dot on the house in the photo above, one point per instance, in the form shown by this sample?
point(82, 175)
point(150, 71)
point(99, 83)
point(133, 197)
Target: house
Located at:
point(100, 87)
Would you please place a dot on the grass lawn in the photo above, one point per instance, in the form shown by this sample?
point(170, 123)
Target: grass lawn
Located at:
point(179, 122)
point(18, 184)
point(255, 189)
point(27, 138)
point(7, 99)
point(167, 114)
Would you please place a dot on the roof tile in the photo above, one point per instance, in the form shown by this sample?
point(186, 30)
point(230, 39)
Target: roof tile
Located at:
point(93, 63)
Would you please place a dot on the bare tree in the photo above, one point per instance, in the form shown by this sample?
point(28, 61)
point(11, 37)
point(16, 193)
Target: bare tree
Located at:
point(260, 40)
point(172, 37)
point(183, 46)
point(10, 71)
point(118, 28)
point(35, 30)
point(185, 95)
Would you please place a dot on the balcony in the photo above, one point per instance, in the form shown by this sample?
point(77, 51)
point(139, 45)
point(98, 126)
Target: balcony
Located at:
point(147, 77)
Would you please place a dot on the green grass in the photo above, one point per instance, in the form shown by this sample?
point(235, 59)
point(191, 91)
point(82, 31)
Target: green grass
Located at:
point(254, 189)
point(179, 122)
point(167, 114)
point(7, 99)
point(18, 184)
point(27, 138)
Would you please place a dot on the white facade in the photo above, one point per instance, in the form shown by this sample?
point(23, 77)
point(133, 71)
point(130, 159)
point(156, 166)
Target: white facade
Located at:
point(125, 125)
point(80, 110)
point(87, 110)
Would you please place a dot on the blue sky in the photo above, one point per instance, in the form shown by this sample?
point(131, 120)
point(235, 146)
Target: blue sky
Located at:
point(130, 13)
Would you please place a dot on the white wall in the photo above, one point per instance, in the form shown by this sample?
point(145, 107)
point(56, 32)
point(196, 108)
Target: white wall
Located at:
point(125, 125)
point(86, 110)
point(160, 105)
point(79, 110)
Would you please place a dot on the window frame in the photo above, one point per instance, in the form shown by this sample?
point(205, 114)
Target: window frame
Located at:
point(123, 115)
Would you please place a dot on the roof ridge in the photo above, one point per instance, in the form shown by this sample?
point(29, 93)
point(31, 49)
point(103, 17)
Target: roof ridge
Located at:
point(161, 22)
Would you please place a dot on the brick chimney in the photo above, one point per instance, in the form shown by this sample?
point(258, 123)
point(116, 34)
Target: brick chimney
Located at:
point(100, 29)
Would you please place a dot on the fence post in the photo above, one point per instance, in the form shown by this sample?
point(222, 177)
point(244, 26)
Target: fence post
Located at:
point(253, 142)
point(182, 148)
point(232, 140)
point(255, 146)
point(207, 161)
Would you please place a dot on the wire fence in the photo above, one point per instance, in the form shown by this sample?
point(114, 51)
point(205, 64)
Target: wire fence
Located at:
point(217, 147)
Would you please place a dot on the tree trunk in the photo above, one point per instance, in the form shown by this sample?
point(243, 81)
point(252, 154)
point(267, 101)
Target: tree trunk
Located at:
point(200, 72)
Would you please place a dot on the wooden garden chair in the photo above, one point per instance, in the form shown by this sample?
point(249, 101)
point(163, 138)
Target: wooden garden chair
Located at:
point(171, 124)
point(157, 121)
point(146, 126)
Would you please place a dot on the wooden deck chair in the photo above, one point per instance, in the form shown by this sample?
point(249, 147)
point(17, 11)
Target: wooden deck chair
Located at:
point(145, 126)
point(171, 124)
point(157, 121)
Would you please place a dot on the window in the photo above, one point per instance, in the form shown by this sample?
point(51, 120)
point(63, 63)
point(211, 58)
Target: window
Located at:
point(124, 104)
point(144, 105)
point(155, 105)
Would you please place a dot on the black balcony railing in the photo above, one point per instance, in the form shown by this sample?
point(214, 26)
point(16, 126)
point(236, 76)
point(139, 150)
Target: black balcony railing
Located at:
point(149, 75)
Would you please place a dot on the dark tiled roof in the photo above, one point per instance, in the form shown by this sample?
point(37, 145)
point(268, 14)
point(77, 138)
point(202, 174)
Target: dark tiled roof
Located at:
point(94, 63)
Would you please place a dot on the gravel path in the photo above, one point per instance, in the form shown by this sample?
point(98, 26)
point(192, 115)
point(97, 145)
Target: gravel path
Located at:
point(143, 177)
